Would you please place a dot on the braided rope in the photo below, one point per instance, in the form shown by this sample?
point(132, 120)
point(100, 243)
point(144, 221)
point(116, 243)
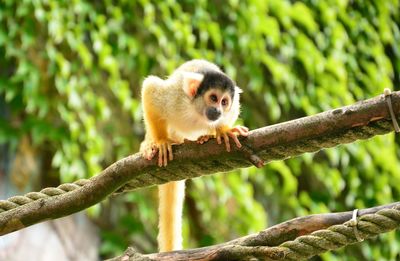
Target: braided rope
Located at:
point(198, 168)
point(17, 201)
point(337, 236)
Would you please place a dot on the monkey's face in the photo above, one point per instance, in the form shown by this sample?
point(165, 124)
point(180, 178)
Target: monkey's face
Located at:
point(213, 104)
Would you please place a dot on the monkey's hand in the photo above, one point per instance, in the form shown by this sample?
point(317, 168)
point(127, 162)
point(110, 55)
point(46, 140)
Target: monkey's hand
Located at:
point(164, 148)
point(225, 132)
point(204, 138)
point(164, 152)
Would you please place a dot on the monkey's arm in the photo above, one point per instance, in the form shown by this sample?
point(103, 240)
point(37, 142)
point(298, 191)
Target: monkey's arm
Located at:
point(156, 138)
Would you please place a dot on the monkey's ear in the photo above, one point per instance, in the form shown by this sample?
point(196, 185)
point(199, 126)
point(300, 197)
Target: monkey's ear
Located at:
point(238, 90)
point(191, 82)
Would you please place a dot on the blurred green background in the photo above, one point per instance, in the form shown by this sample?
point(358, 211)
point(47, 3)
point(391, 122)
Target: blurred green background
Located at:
point(70, 76)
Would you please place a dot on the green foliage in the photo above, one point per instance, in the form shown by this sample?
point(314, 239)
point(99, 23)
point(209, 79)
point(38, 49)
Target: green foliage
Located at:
point(70, 74)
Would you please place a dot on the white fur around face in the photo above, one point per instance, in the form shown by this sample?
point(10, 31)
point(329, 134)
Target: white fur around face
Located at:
point(192, 124)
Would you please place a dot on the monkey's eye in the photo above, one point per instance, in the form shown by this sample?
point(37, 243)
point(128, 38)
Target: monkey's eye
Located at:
point(224, 102)
point(213, 98)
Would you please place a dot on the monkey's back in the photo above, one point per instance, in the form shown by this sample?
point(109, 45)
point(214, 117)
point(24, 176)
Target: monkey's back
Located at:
point(198, 65)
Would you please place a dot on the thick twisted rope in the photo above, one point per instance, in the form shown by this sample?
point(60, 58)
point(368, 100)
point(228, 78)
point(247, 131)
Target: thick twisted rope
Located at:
point(198, 169)
point(265, 244)
point(338, 236)
point(274, 152)
point(17, 201)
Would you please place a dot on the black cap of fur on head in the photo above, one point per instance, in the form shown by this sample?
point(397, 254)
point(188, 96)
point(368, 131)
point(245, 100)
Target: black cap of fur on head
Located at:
point(215, 79)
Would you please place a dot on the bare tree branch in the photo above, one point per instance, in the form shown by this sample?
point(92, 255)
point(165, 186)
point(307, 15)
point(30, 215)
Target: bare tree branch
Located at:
point(309, 134)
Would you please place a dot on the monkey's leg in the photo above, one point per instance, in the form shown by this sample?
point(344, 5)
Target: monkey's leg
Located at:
point(160, 141)
point(157, 138)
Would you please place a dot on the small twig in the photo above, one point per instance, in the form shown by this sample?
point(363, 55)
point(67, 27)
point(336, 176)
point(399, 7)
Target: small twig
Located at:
point(252, 156)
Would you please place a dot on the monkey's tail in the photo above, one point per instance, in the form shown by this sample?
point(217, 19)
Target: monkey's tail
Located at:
point(171, 196)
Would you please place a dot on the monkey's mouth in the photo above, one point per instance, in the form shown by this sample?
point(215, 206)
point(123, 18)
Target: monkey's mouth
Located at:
point(213, 119)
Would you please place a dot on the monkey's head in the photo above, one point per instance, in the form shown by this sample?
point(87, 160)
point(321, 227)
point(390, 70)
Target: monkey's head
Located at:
point(212, 94)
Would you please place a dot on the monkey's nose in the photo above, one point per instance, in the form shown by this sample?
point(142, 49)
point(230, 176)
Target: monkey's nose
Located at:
point(213, 113)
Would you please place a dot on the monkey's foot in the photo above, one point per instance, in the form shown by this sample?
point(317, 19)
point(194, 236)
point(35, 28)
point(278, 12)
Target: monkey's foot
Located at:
point(225, 133)
point(204, 138)
point(164, 152)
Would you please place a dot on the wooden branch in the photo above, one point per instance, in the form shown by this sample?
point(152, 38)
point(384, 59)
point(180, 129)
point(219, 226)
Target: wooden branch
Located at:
point(262, 245)
point(309, 134)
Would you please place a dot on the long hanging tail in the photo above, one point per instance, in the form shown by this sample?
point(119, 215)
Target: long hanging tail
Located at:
point(171, 196)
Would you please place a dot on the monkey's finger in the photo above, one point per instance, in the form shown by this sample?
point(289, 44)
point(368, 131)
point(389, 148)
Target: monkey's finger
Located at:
point(165, 154)
point(219, 138)
point(238, 128)
point(203, 139)
point(245, 130)
point(235, 130)
point(235, 139)
point(160, 156)
point(227, 144)
point(241, 130)
point(200, 140)
point(171, 156)
point(208, 137)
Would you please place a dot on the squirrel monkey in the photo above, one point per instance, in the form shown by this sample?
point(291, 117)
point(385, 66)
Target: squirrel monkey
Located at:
point(197, 102)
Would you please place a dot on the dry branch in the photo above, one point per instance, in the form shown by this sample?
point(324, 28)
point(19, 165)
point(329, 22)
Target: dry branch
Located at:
point(309, 134)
